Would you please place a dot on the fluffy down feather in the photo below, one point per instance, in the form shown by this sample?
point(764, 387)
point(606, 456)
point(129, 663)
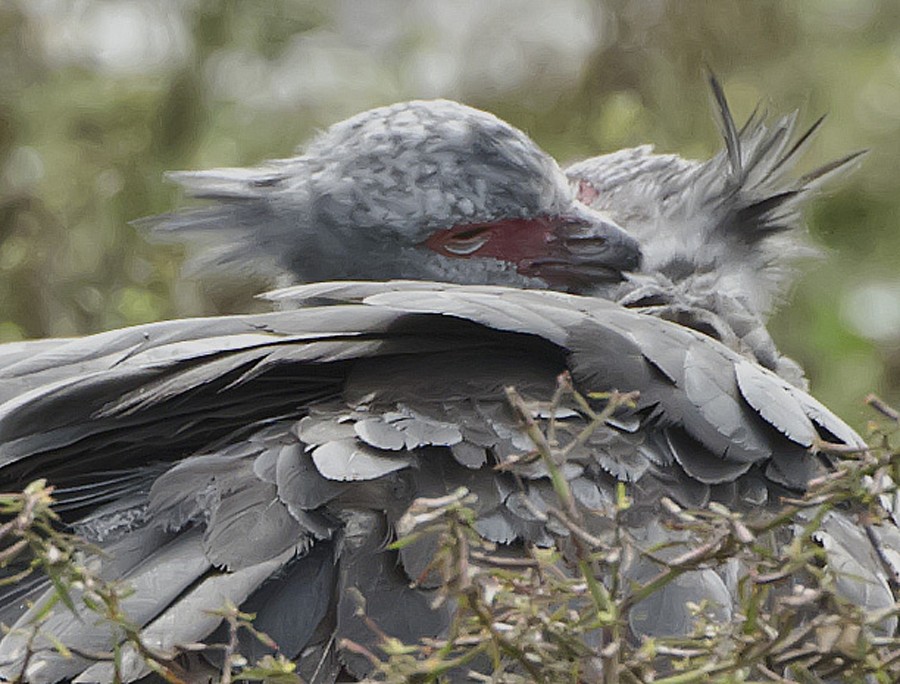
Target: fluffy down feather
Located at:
point(721, 238)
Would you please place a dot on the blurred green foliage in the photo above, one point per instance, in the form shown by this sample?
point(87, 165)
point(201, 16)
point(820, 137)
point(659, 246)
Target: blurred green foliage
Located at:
point(89, 122)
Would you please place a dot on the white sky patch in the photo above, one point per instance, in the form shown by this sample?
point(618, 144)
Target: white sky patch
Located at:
point(873, 310)
point(24, 168)
point(386, 50)
point(469, 47)
point(117, 36)
point(366, 53)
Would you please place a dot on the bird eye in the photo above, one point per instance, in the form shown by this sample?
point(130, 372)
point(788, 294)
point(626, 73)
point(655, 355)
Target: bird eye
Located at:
point(467, 242)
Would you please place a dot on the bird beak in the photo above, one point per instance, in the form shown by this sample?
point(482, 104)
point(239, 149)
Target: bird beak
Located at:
point(576, 251)
point(587, 250)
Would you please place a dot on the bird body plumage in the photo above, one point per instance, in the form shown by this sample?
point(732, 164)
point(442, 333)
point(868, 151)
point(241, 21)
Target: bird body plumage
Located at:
point(276, 451)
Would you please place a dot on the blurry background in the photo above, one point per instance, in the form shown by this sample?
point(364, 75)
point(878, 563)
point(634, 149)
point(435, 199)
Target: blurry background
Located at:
point(99, 97)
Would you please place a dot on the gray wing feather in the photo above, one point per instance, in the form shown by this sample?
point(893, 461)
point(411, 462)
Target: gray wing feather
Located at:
point(857, 568)
point(305, 587)
point(700, 463)
point(774, 400)
point(249, 525)
point(158, 580)
point(373, 579)
point(825, 419)
point(349, 460)
point(300, 484)
point(289, 454)
point(713, 390)
point(190, 619)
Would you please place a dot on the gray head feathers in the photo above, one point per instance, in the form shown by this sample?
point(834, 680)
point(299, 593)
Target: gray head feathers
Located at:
point(364, 195)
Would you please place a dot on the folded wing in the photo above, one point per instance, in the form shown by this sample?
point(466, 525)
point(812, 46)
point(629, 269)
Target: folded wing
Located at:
point(264, 460)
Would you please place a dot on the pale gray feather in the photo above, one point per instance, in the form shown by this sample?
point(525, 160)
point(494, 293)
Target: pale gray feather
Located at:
point(721, 239)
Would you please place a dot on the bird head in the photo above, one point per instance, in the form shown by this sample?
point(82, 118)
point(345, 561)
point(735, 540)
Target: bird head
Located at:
point(422, 190)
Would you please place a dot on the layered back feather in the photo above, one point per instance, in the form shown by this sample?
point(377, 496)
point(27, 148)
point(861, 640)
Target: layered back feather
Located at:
point(265, 460)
